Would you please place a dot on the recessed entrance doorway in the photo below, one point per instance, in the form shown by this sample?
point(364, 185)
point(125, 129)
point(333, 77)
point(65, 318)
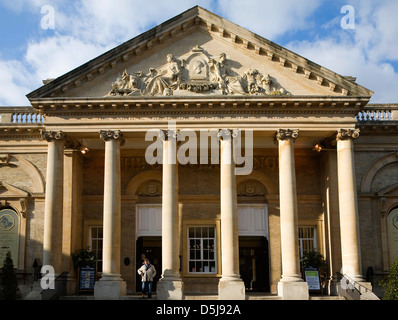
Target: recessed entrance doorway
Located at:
point(152, 248)
point(254, 263)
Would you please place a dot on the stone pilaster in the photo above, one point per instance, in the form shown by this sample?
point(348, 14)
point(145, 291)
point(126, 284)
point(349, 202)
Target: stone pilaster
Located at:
point(111, 285)
point(170, 286)
point(231, 286)
point(348, 204)
point(291, 285)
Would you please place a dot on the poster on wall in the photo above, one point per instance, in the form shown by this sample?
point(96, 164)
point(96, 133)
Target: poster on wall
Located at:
point(87, 277)
point(9, 235)
point(312, 278)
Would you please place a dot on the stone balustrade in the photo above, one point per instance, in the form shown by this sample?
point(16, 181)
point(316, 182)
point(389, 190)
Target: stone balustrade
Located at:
point(20, 115)
point(378, 112)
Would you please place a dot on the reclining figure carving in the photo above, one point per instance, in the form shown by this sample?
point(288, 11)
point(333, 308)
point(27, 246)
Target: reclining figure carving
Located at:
point(199, 74)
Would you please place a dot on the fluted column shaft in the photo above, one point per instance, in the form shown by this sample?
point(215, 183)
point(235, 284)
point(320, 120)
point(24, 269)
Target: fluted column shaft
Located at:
point(348, 204)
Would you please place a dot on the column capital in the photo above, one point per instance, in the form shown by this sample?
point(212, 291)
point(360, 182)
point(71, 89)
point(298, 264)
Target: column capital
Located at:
point(284, 134)
point(69, 142)
point(112, 134)
point(344, 134)
point(52, 135)
point(224, 134)
point(167, 135)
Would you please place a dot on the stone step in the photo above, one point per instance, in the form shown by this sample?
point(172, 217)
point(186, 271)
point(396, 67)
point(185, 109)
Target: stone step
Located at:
point(201, 297)
point(327, 298)
point(369, 295)
point(209, 297)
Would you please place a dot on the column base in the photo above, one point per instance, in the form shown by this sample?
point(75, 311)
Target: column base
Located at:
point(231, 290)
point(109, 288)
point(169, 290)
point(297, 290)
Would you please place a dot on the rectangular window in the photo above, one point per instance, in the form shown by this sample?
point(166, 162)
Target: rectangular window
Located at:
point(307, 240)
point(202, 249)
point(96, 236)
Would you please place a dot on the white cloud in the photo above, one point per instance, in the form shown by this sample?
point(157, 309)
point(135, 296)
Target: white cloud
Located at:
point(52, 57)
point(15, 83)
point(347, 59)
point(107, 22)
point(369, 52)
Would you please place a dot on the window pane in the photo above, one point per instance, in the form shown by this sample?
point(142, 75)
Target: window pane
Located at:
point(100, 233)
point(201, 249)
point(211, 232)
point(206, 266)
point(307, 240)
point(211, 255)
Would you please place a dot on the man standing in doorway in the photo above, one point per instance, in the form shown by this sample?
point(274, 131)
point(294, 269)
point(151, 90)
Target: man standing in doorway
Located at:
point(147, 273)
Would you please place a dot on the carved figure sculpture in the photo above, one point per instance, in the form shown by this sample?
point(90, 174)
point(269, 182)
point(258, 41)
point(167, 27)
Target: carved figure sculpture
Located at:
point(199, 73)
point(175, 70)
point(228, 84)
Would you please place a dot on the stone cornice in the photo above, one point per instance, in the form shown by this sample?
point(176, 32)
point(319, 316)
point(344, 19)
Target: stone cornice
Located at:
point(29, 131)
point(214, 104)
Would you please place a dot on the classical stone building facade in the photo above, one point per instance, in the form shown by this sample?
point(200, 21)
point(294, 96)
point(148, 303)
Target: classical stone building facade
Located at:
point(219, 154)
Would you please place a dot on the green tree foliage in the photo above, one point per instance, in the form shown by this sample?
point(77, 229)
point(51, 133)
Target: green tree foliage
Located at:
point(9, 281)
point(84, 258)
point(391, 284)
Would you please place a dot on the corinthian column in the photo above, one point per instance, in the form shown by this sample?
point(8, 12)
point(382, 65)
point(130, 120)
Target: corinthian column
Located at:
point(231, 286)
point(53, 210)
point(348, 204)
point(170, 286)
point(111, 285)
point(291, 285)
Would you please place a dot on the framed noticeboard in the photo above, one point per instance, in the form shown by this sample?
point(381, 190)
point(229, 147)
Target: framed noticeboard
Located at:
point(312, 278)
point(87, 276)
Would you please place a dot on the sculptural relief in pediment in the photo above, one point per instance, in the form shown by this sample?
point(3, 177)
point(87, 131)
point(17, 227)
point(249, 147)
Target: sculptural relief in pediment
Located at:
point(199, 73)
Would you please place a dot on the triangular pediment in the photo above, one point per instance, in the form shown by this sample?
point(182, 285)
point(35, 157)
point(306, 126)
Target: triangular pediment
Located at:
point(389, 191)
point(198, 53)
point(8, 190)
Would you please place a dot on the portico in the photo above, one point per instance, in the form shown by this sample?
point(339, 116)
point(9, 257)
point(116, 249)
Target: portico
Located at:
point(233, 185)
point(290, 284)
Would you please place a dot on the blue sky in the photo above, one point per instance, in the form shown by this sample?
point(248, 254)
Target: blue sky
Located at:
point(83, 29)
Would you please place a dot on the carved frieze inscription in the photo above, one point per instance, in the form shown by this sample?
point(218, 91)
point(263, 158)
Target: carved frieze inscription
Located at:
point(139, 163)
point(198, 73)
